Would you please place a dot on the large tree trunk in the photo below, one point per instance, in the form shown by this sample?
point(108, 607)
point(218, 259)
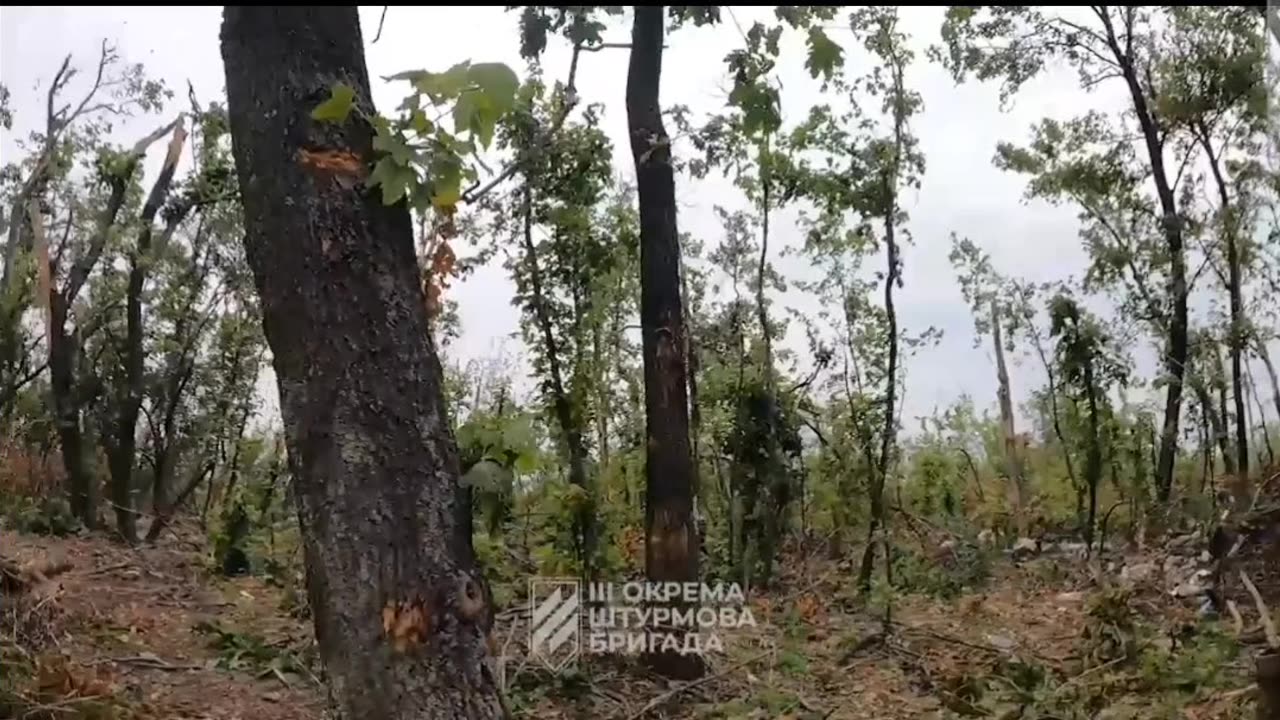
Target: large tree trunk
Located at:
point(671, 543)
point(400, 610)
point(63, 352)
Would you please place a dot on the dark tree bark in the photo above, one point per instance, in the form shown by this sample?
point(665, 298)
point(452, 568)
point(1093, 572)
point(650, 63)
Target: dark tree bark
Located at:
point(1093, 458)
point(399, 608)
point(1175, 359)
point(889, 432)
point(64, 350)
point(671, 543)
point(1236, 338)
point(569, 421)
point(1214, 420)
point(66, 385)
point(64, 357)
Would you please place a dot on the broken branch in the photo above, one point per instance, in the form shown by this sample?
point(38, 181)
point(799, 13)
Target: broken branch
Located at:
point(1268, 625)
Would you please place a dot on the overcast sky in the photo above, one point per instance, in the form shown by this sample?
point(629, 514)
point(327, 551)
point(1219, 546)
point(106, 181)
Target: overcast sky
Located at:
point(962, 192)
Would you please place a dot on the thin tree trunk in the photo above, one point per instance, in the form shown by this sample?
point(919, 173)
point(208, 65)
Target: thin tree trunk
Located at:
point(1093, 470)
point(1175, 359)
point(1260, 344)
point(400, 611)
point(565, 416)
point(1236, 331)
point(1262, 419)
point(1206, 444)
point(694, 366)
point(1053, 390)
point(1012, 462)
point(888, 435)
point(1215, 421)
point(671, 543)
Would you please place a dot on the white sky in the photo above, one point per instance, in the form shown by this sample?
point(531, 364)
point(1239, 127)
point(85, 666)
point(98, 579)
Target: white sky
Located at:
point(959, 129)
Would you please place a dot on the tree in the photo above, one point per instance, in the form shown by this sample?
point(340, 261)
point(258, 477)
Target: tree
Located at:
point(1089, 366)
point(1000, 302)
point(400, 612)
point(878, 164)
point(1016, 43)
point(671, 547)
point(563, 280)
point(1212, 88)
point(48, 201)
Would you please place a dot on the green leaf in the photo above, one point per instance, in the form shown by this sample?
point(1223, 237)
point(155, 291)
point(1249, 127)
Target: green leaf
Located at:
point(338, 106)
point(486, 475)
point(395, 180)
point(824, 54)
point(466, 110)
point(526, 463)
point(498, 82)
point(421, 123)
point(393, 144)
point(446, 182)
point(445, 85)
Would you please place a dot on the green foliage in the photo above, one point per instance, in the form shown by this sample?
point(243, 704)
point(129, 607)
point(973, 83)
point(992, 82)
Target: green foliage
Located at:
point(338, 106)
point(417, 158)
point(252, 653)
point(964, 568)
point(40, 516)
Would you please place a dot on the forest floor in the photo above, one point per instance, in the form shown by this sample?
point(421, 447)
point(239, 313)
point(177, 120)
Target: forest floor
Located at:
point(151, 633)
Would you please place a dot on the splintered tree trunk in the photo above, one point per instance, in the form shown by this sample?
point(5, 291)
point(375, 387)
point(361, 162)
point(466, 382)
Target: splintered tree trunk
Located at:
point(671, 542)
point(1260, 343)
point(400, 611)
point(1013, 462)
point(124, 452)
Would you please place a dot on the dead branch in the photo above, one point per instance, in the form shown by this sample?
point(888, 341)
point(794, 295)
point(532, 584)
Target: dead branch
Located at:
point(381, 19)
point(23, 577)
point(1268, 625)
point(668, 695)
point(151, 662)
point(107, 569)
point(1236, 621)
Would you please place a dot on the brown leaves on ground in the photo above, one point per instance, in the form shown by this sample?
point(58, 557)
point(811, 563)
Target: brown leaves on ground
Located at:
point(126, 619)
point(124, 634)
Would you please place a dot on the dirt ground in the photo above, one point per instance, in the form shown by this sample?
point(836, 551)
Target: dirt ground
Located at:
point(154, 629)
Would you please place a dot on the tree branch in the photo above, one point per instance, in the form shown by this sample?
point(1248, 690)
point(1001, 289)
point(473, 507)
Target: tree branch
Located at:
point(475, 192)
